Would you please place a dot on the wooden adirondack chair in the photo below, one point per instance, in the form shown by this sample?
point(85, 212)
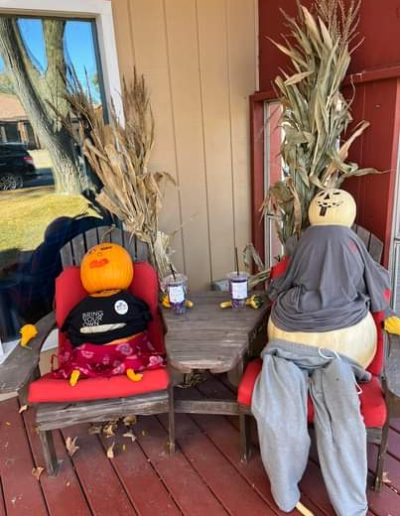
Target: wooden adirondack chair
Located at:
point(380, 399)
point(115, 397)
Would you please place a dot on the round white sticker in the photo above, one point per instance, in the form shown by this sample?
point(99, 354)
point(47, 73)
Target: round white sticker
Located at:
point(121, 307)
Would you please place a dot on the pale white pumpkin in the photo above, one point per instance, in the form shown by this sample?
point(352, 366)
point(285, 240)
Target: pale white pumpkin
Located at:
point(332, 206)
point(357, 342)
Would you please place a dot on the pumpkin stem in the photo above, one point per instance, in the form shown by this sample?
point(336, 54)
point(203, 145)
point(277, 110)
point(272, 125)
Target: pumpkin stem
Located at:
point(106, 233)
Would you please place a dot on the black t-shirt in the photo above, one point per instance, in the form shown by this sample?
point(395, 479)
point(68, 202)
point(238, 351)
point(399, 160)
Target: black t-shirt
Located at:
point(99, 320)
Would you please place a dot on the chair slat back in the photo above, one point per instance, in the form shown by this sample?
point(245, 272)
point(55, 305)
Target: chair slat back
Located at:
point(74, 250)
point(372, 243)
point(375, 248)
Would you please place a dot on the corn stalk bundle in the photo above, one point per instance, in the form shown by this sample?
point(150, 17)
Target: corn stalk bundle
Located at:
point(119, 153)
point(314, 112)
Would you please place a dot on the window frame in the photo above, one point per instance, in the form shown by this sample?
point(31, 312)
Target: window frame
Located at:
point(98, 10)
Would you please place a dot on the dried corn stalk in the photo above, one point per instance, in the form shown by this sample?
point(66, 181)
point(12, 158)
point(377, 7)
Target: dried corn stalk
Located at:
point(119, 153)
point(314, 112)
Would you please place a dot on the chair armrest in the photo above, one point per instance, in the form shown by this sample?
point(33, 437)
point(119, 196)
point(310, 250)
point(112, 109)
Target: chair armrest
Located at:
point(17, 369)
point(392, 369)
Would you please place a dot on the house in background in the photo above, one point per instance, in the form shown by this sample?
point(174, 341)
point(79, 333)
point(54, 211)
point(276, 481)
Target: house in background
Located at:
point(14, 123)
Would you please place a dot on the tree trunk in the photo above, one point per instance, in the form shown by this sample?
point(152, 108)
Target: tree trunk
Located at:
point(32, 95)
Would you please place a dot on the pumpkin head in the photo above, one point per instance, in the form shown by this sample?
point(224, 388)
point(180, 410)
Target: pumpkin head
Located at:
point(105, 267)
point(332, 207)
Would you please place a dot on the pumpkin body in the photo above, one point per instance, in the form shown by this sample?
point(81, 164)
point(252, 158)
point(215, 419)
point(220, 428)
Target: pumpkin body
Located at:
point(332, 207)
point(357, 342)
point(106, 267)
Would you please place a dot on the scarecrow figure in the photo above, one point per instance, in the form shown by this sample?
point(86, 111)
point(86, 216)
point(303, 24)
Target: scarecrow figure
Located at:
point(107, 330)
point(322, 337)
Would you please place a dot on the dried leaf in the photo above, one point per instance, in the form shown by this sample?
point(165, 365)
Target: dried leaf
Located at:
point(129, 420)
point(119, 153)
point(36, 472)
point(71, 446)
point(23, 408)
point(385, 478)
point(94, 429)
point(109, 429)
point(110, 451)
point(297, 77)
point(130, 435)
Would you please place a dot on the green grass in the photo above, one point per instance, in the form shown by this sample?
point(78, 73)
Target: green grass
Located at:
point(26, 213)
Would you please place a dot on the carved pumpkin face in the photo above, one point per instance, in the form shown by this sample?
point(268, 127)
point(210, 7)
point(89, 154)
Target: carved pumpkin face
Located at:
point(106, 266)
point(332, 207)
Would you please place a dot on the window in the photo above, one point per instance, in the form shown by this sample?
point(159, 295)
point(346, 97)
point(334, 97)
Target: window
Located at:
point(45, 182)
point(273, 172)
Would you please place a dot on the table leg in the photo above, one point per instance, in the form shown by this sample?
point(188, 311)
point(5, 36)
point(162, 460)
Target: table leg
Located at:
point(245, 437)
point(171, 419)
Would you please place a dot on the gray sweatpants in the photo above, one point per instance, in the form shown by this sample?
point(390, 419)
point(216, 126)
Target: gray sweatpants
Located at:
point(279, 405)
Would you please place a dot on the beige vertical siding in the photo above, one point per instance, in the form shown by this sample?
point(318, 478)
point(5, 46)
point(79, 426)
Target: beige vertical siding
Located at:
point(199, 60)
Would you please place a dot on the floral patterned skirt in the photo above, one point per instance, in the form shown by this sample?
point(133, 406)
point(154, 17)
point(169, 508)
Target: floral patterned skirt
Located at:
point(94, 360)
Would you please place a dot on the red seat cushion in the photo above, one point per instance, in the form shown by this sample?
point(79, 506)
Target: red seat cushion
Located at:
point(373, 406)
point(246, 386)
point(53, 390)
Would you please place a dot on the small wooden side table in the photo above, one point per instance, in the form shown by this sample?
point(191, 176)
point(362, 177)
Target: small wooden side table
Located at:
point(209, 338)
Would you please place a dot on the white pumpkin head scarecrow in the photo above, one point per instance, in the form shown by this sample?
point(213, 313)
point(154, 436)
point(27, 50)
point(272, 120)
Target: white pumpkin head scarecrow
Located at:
point(334, 315)
point(321, 339)
point(107, 329)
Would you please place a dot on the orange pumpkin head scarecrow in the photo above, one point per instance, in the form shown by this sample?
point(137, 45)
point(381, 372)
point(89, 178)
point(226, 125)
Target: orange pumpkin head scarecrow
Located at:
point(107, 329)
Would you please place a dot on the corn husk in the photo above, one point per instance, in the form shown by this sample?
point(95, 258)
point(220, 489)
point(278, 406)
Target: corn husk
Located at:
point(119, 153)
point(315, 114)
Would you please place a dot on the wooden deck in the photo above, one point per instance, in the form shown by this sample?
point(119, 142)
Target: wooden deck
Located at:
point(204, 477)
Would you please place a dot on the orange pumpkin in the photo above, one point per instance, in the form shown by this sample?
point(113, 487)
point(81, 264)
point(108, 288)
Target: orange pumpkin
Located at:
point(106, 267)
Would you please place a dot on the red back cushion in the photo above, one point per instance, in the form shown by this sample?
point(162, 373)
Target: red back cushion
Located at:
point(69, 291)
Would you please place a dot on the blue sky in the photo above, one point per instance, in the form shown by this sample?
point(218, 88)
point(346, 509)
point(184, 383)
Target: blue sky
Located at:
point(78, 45)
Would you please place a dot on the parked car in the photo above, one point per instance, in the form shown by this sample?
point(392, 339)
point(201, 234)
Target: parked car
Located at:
point(16, 166)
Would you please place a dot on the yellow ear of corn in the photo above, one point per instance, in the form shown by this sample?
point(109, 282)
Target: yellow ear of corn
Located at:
point(28, 331)
point(166, 304)
point(165, 301)
point(392, 325)
point(73, 379)
point(135, 377)
point(254, 301)
point(226, 304)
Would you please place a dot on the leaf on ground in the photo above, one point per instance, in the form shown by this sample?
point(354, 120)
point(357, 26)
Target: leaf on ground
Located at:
point(23, 408)
point(144, 433)
point(71, 445)
point(109, 430)
point(130, 435)
point(129, 420)
point(110, 451)
point(94, 429)
point(36, 472)
point(385, 478)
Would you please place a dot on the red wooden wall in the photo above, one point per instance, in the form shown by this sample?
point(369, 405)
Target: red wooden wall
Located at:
point(375, 72)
